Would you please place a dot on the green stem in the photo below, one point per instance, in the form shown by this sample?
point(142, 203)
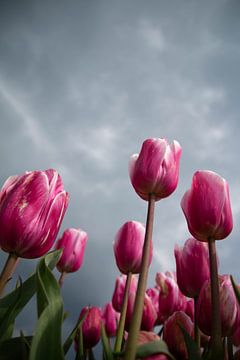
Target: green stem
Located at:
point(216, 341)
point(120, 330)
point(8, 271)
point(196, 328)
point(230, 348)
point(61, 279)
point(142, 284)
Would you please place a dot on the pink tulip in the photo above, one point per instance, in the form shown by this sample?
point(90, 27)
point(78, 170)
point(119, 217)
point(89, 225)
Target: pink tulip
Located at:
point(156, 169)
point(192, 263)
point(110, 318)
point(236, 336)
point(149, 313)
point(173, 336)
point(228, 307)
point(32, 207)
point(73, 244)
point(206, 206)
point(190, 309)
point(170, 297)
point(145, 337)
point(91, 327)
point(117, 298)
point(128, 247)
point(153, 293)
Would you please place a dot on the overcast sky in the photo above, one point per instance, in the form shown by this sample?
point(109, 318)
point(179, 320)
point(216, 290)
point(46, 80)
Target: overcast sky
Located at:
point(83, 83)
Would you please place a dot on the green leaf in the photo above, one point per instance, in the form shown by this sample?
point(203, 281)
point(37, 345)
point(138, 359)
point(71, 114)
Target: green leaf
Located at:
point(80, 350)
point(47, 339)
point(192, 348)
point(15, 348)
point(153, 347)
point(72, 335)
point(106, 345)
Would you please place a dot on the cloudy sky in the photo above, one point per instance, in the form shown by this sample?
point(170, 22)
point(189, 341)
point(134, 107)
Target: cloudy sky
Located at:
point(83, 83)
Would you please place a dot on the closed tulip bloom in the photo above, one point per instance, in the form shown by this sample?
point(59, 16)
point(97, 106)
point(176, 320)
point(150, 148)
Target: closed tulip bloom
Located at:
point(110, 318)
point(228, 307)
point(155, 170)
point(149, 315)
point(153, 293)
point(128, 247)
point(206, 206)
point(192, 264)
point(118, 294)
point(32, 207)
point(170, 297)
point(190, 309)
point(173, 336)
point(73, 244)
point(236, 336)
point(145, 337)
point(91, 326)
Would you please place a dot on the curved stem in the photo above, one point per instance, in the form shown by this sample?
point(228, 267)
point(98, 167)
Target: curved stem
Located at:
point(216, 342)
point(8, 271)
point(196, 329)
point(61, 279)
point(120, 330)
point(142, 284)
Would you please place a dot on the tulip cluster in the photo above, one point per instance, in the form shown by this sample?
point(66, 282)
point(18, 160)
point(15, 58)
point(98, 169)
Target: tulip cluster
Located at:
point(190, 313)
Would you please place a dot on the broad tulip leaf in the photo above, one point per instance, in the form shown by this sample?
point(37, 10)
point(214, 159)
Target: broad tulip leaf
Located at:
point(108, 354)
point(15, 349)
point(152, 348)
point(47, 339)
point(192, 348)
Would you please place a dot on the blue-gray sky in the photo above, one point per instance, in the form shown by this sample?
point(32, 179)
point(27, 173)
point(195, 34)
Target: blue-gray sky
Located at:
point(83, 83)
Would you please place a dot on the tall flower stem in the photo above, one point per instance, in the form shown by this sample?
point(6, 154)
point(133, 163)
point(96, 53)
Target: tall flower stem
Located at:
point(196, 328)
point(120, 330)
point(142, 284)
point(61, 279)
point(8, 271)
point(216, 343)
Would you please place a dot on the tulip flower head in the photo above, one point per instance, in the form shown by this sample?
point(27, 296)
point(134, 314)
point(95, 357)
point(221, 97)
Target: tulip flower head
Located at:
point(73, 244)
point(32, 207)
point(173, 336)
point(192, 264)
point(118, 294)
point(110, 318)
point(128, 247)
point(91, 327)
point(155, 170)
point(228, 307)
point(206, 206)
point(170, 297)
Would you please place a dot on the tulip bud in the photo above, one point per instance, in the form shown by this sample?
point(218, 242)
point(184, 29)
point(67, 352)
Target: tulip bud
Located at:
point(73, 244)
point(128, 247)
point(173, 335)
point(236, 336)
point(110, 318)
point(190, 309)
point(145, 337)
point(91, 327)
point(206, 206)
point(153, 293)
point(228, 307)
point(192, 263)
point(170, 297)
point(156, 169)
point(118, 294)
point(32, 207)
point(149, 315)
